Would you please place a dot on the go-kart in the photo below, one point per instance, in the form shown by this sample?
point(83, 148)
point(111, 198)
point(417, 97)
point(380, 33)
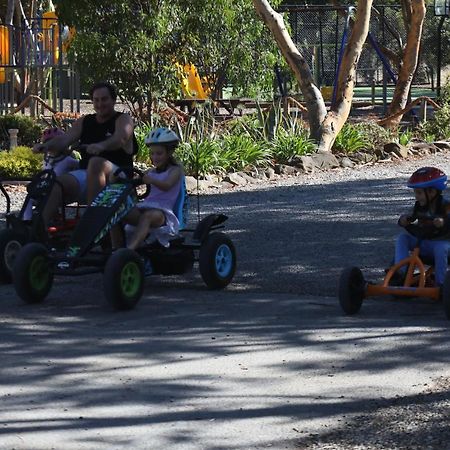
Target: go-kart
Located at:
point(123, 269)
point(418, 281)
point(20, 230)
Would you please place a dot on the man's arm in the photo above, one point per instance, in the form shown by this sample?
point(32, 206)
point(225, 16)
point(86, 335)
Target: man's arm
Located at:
point(122, 137)
point(60, 144)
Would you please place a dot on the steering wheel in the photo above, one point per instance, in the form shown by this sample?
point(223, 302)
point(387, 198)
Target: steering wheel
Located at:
point(427, 231)
point(135, 180)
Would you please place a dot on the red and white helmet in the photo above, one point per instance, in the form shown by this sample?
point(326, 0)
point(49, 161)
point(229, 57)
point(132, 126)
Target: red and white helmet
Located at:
point(50, 133)
point(428, 177)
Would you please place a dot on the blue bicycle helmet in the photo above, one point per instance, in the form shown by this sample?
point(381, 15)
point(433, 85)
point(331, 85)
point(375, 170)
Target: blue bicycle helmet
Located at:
point(428, 177)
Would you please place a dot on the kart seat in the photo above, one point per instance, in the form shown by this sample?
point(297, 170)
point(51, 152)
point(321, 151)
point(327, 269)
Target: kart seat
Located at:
point(181, 207)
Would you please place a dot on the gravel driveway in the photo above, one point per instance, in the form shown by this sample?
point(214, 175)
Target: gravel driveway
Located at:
point(271, 362)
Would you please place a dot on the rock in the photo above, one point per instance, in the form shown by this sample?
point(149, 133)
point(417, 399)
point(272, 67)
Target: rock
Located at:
point(347, 162)
point(235, 179)
point(425, 148)
point(308, 164)
point(227, 185)
point(270, 173)
point(325, 160)
point(399, 149)
point(363, 158)
point(442, 145)
point(191, 183)
point(283, 169)
point(247, 177)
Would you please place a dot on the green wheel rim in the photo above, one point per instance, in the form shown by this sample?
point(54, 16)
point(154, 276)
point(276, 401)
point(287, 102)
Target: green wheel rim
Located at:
point(39, 273)
point(130, 279)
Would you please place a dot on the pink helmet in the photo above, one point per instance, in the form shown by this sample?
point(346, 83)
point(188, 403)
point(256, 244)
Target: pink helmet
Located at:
point(50, 133)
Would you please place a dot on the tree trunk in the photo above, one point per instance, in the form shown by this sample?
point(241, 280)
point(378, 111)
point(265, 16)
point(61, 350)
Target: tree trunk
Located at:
point(10, 12)
point(323, 127)
point(312, 95)
point(340, 111)
point(410, 58)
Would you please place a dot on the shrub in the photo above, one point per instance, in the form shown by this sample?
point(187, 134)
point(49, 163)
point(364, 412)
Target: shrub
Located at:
point(199, 157)
point(286, 147)
point(438, 127)
point(29, 131)
point(19, 163)
point(375, 136)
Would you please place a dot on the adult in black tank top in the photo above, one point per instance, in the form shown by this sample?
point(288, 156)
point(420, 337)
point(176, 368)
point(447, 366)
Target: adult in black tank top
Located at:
point(109, 142)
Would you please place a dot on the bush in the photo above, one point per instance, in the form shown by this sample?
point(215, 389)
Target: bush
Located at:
point(286, 147)
point(438, 127)
point(19, 163)
point(29, 131)
point(350, 140)
point(375, 136)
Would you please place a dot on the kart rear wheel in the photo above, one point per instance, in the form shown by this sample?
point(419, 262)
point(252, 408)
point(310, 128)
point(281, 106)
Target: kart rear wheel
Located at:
point(351, 290)
point(123, 279)
point(217, 260)
point(32, 276)
point(10, 244)
point(445, 294)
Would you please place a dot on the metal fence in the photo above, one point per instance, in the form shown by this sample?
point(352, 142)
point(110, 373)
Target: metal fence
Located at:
point(35, 54)
point(319, 31)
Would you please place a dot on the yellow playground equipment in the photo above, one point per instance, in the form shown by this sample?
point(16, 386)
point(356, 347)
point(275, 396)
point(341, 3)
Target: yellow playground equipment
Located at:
point(4, 51)
point(191, 84)
point(50, 37)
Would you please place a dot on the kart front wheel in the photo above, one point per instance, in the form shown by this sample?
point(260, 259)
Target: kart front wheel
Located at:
point(351, 290)
point(32, 276)
point(445, 294)
point(10, 244)
point(217, 260)
point(124, 279)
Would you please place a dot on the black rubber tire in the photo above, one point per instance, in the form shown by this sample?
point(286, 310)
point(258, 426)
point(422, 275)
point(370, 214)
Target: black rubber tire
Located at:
point(351, 290)
point(123, 279)
point(217, 260)
point(32, 276)
point(445, 295)
point(10, 244)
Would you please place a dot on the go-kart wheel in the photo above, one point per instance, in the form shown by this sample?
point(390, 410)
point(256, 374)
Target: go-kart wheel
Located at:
point(445, 295)
point(351, 290)
point(124, 279)
point(217, 260)
point(32, 276)
point(10, 244)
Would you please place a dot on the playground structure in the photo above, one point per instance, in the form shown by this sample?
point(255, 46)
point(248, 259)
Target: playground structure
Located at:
point(35, 75)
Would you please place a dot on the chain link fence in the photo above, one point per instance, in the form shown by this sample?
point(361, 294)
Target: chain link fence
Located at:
point(319, 33)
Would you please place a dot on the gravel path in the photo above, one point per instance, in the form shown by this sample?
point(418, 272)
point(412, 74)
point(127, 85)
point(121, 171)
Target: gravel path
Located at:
point(294, 236)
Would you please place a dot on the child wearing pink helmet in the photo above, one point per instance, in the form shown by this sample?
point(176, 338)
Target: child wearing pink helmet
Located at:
point(59, 164)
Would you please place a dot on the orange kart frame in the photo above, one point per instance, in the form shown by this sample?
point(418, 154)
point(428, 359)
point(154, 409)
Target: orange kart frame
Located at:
point(415, 284)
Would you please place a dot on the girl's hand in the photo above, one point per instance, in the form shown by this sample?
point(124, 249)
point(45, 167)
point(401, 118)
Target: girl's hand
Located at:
point(147, 179)
point(438, 222)
point(404, 220)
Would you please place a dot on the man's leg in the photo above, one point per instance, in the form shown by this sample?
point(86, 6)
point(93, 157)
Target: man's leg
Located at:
point(71, 189)
point(98, 172)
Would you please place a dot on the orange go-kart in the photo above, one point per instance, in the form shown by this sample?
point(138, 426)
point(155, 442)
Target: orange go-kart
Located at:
point(418, 282)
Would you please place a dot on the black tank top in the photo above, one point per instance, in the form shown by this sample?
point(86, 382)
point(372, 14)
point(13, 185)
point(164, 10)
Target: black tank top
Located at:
point(93, 132)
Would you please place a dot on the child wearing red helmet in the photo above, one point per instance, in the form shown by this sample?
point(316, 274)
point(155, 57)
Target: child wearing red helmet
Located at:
point(431, 218)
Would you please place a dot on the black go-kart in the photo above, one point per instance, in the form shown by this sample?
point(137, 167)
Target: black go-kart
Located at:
point(20, 230)
point(123, 269)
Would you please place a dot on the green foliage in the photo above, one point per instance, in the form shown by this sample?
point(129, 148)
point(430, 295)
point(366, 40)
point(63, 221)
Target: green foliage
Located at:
point(158, 34)
point(288, 146)
point(20, 162)
point(29, 131)
point(350, 140)
point(405, 136)
point(373, 134)
point(438, 127)
point(200, 157)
